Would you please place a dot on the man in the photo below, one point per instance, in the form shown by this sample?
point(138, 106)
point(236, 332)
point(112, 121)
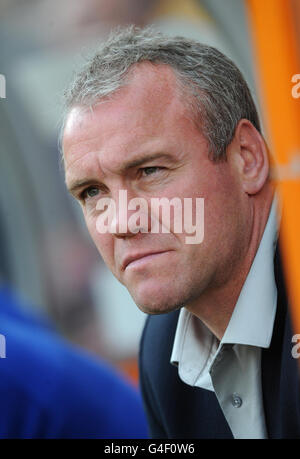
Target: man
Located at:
point(160, 117)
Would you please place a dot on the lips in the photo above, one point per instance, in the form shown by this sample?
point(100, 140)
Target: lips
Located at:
point(130, 258)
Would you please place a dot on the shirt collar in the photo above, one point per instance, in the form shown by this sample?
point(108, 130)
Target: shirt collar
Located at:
point(253, 317)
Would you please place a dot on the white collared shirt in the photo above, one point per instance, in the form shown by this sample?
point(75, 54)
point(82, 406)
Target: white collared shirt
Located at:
point(232, 367)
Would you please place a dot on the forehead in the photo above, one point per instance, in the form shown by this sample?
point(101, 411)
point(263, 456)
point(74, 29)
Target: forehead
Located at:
point(150, 104)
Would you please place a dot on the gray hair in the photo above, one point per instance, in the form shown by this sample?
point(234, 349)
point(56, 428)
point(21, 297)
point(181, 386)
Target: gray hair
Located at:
point(219, 95)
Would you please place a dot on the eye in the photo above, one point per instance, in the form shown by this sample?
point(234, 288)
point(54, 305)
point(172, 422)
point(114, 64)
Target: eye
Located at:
point(89, 193)
point(146, 171)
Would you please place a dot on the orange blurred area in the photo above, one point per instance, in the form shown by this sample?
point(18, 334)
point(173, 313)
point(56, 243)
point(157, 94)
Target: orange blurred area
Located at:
point(130, 369)
point(275, 32)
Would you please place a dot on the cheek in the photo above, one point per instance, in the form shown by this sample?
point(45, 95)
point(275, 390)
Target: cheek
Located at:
point(224, 223)
point(103, 242)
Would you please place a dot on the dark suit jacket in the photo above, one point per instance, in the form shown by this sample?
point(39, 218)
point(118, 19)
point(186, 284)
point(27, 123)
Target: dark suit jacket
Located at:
point(177, 410)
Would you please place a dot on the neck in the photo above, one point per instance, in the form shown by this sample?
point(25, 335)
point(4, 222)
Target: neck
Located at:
point(216, 304)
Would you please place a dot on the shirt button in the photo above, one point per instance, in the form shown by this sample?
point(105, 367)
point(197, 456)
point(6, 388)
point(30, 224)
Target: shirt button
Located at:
point(236, 400)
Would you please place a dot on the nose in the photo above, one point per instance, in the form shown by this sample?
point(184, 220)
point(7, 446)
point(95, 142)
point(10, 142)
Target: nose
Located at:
point(131, 215)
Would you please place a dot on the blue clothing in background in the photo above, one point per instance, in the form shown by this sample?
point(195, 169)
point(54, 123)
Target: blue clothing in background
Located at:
point(50, 389)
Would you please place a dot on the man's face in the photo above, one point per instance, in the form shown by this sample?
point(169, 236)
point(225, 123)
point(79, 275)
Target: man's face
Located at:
point(144, 140)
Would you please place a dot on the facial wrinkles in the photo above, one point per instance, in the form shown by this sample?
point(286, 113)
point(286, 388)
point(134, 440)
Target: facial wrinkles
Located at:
point(140, 129)
point(147, 112)
point(103, 166)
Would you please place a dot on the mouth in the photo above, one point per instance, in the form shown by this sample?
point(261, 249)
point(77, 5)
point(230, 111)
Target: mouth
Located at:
point(138, 259)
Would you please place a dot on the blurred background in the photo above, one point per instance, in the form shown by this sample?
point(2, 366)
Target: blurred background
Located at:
point(45, 252)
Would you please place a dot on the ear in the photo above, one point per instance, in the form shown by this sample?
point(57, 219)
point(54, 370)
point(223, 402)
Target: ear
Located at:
point(248, 154)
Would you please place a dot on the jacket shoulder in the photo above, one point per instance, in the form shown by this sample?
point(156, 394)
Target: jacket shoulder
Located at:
point(158, 336)
point(155, 369)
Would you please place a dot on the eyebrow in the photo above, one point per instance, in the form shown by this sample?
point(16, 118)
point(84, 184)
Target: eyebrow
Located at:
point(80, 184)
point(139, 161)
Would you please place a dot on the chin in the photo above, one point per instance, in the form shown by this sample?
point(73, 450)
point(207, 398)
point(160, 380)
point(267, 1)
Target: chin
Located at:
point(156, 304)
point(157, 310)
point(161, 298)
